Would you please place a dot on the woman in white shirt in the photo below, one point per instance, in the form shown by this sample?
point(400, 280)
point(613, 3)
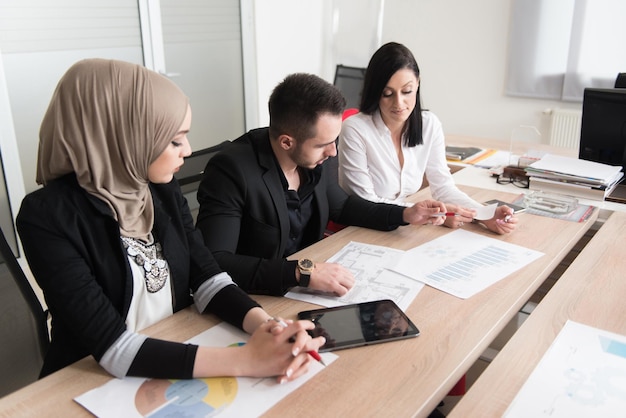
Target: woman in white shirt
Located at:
point(386, 149)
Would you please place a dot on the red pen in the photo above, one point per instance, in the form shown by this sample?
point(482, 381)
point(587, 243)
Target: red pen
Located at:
point(434, 215)
point(316, 356)
point(312, 353)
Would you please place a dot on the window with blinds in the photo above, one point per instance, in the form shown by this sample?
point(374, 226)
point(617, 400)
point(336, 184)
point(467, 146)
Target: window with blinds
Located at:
point(44, 25)
point(203, 53)
point(187, 21)
point(40, 40)
point(201, 41)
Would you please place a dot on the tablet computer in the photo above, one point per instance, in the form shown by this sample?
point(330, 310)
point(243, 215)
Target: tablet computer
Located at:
point(360, 324)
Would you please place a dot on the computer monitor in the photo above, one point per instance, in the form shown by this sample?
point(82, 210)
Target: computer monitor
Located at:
point(603, 128)
point(603, 132)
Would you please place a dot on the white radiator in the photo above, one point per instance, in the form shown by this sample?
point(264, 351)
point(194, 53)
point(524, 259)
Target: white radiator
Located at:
point(565, 128)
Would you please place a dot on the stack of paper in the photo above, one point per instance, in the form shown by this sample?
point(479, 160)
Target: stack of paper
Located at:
point(572, 176)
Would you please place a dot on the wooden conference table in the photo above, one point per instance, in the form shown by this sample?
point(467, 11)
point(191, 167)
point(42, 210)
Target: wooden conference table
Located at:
point(402, 378)
point(591, 291)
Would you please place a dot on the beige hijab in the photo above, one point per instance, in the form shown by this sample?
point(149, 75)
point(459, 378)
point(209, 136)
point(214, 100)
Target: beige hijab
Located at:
point(107, 122)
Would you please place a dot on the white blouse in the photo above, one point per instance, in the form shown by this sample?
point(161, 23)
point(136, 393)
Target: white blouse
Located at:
point(151, 302)
point(147, 308)
point(369, 165)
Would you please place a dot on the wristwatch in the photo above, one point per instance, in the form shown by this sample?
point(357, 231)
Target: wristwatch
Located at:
point(305, 266)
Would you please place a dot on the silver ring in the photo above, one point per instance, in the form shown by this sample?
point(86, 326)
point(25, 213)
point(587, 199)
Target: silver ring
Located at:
point(461, 223)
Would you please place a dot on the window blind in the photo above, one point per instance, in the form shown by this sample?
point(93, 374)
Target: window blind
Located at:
point(191, 21)
point(559, 47)
point(44, 25)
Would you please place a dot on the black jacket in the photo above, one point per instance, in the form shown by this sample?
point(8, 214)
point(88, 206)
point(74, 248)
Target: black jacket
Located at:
point(244, 219)
point(73, 247)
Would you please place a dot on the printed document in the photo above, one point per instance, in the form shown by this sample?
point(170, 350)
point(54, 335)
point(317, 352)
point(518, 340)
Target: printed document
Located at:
point(583, 374)
point(374, 281)
point(217, 396)
point(463, 263)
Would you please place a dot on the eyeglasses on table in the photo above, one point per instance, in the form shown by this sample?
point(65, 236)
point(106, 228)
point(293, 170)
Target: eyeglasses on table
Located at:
point(518, 181)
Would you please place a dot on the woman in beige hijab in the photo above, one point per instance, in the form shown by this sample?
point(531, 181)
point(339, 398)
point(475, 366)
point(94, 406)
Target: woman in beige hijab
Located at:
point(111, 241)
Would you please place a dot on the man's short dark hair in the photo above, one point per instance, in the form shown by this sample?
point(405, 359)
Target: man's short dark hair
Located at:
point(297, 102)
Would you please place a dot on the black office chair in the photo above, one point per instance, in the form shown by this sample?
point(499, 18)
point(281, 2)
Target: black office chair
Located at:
point(620, 81)
point(23, 325)
point(190, 174)
point(349, 80)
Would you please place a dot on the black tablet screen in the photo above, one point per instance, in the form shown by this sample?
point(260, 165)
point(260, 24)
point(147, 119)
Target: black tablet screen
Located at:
point(360, 324)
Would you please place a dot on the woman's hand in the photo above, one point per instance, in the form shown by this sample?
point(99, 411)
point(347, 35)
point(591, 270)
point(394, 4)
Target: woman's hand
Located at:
point(503, 222)
point(462, 216)
point(276, 350)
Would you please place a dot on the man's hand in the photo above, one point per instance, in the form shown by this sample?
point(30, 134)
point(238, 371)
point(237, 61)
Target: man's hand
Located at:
point(422, 213)
point(331, 277)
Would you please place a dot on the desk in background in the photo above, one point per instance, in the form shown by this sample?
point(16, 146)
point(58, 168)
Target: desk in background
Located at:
point(591, 292)
point(402, 378)
point(479, 177)
point(516, 147)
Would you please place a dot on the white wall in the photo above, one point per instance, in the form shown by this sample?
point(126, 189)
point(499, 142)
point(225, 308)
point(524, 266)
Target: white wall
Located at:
point(289, 39)
point(460, 46)
point(310, 36)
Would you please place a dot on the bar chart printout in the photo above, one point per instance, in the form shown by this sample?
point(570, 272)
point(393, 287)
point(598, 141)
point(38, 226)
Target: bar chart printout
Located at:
point(463, 263)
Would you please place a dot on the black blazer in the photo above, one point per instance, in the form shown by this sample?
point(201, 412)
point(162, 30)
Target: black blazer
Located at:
point(73, 246)
point(244, 219)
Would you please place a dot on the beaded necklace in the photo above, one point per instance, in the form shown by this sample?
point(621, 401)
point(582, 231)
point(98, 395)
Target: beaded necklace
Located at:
point(149, 256)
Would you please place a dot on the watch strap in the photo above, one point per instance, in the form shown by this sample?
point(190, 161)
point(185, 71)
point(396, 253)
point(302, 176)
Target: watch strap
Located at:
point(305, 279)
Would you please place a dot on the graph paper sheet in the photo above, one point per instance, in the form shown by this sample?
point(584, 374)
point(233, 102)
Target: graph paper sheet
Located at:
point(463, 263)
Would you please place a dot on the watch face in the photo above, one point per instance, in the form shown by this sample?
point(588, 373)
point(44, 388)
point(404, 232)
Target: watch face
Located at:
point(305, 263)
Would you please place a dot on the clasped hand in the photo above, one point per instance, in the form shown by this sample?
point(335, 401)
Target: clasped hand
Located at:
point(281, 351)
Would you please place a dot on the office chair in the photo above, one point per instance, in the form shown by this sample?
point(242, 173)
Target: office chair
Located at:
point(23, 325)
point(332, 165)
point(190, 174)
point(349, 80)
point(620, 81)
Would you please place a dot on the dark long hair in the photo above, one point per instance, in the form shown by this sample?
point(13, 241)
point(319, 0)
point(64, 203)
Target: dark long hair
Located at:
point(390, 58)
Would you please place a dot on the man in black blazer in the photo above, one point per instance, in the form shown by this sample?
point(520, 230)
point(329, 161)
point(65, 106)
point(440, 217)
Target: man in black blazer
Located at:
point(267, 195)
